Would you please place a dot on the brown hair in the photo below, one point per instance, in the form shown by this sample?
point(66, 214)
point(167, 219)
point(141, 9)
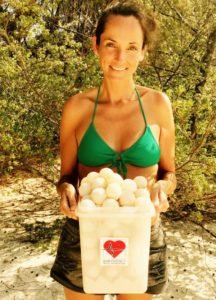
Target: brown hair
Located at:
point(129, 8)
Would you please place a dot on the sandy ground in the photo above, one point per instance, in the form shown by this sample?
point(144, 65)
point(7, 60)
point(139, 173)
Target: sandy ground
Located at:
point(24, 267)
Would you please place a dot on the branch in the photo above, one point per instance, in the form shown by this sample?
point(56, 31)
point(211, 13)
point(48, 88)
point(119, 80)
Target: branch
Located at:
point(181, 18)
point(203, 226)
point(197, 148)
point(39, 173)
point(4, 34)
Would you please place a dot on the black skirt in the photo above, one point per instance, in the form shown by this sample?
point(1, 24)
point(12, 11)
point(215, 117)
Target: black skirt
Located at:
point(67, 269)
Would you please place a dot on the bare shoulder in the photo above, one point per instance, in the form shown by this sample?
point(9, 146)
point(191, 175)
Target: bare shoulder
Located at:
point(80, 100)
point(158, 103)
point(80, 104)
point(155, 97)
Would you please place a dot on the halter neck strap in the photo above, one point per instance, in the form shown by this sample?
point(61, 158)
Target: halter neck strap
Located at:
point(97, 99)
point(96, 102)
point(140, 102)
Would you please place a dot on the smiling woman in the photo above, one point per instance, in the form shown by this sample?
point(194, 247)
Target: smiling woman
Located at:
point(120, 51)
point(119, 125)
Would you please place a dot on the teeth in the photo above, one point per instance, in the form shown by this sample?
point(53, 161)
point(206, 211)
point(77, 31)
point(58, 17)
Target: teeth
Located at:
point(118, 69)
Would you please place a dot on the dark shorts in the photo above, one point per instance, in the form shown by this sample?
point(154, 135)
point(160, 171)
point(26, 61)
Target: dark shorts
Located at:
point(67, 268)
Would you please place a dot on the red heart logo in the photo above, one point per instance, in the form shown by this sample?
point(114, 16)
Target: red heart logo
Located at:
point(114, 248)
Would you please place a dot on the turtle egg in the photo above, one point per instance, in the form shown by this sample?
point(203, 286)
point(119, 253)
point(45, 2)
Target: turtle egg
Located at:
point(98, 182)
point(106, 172)
point(114, 178)
point(98, 195)
point(84, 179)
point(85, 188)
point(129, 185)
point(118, 178)
point(91, 176)
point(86, 203)
point(127, 198)
point(142, 193)
point(141, 181)
point(113, 190)
point(110, 203)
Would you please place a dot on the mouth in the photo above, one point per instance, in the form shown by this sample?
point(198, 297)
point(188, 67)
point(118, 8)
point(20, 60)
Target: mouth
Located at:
point(118, 69)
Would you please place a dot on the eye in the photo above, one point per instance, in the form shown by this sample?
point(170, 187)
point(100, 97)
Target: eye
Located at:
point(132, 48)
point(110, 45)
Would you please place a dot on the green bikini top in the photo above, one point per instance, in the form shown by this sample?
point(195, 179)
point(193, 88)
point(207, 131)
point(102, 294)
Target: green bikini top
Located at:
point(93, 151)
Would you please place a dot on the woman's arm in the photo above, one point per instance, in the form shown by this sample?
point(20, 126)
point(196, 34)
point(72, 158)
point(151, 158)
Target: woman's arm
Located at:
point(166, 183)
point(67, 183)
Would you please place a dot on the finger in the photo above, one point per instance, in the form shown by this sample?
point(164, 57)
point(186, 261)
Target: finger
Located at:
point(71, 198)
point(72, 216)
point(64, 205)
point(72, 203)
point(164, 204)
point(65, 209)
point(156, 203)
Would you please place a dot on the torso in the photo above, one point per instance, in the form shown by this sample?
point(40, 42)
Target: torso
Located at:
point(120, 125)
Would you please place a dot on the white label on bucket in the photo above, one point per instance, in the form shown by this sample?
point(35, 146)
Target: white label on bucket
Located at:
point(113, 251)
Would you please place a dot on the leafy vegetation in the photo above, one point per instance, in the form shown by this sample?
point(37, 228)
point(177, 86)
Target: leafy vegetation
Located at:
point(45, 56)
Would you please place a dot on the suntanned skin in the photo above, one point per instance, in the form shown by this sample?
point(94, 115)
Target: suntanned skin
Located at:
point(119, 122)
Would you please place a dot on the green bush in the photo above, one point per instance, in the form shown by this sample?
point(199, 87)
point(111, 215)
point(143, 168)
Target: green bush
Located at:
point(45, 57)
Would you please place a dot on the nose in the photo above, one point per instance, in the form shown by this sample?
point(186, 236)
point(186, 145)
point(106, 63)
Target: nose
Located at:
point(120, 55)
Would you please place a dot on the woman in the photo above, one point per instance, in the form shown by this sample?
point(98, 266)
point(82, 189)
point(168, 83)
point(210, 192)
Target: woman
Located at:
point(121, 125)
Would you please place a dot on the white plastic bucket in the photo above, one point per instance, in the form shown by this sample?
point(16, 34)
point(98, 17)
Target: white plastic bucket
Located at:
point(115, 246)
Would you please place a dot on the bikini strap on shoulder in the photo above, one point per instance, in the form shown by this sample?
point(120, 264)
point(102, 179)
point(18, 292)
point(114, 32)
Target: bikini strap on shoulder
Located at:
point(96, 102)
point(140, 102)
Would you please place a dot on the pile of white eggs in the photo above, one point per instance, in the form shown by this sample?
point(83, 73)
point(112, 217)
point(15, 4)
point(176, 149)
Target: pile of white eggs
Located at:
point(120, 203)
point(109, 189)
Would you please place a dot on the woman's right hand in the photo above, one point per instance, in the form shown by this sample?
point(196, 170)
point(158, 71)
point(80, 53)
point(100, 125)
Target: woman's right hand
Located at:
point(68, 202)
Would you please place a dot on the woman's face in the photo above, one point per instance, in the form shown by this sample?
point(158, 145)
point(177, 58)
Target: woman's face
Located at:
point(120, 49)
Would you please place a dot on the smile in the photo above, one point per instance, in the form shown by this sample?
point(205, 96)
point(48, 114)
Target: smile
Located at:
point(118, 69)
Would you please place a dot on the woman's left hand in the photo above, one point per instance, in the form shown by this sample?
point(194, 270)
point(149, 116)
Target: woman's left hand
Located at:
point(159, 196)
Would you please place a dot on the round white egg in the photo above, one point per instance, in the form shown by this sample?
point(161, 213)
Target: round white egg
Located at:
point(127, 198)
point(110, 203)
point(92, 176)
point(114, 178)
point(98, 195)
point(98, 182)
point(111, 178)
point(113, 190)
point(141, 193)
point(84, 180)
point(129, 185)
point(118, 178)
point(86, 203)
point(84, 189)
point(106, 172)
point(141, 182)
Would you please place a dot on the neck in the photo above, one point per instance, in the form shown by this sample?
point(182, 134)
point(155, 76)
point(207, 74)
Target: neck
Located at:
point(115, 92)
